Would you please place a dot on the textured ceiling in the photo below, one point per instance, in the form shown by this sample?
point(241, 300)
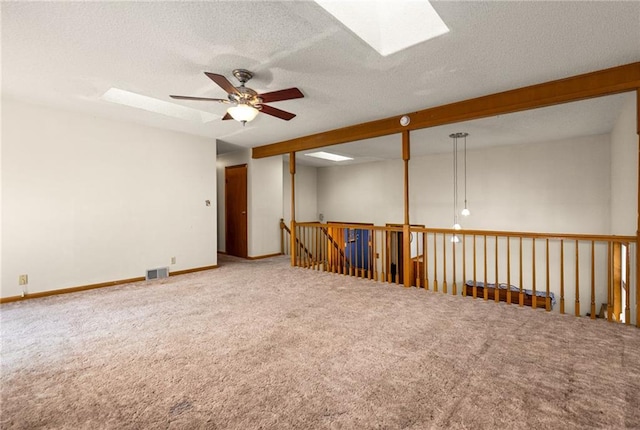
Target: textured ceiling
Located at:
point(67, 54)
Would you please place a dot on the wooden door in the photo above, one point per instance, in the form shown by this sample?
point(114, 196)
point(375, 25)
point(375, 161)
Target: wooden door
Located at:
point(235, 192)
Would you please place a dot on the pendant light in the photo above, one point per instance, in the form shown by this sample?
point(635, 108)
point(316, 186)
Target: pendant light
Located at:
point(456, 225)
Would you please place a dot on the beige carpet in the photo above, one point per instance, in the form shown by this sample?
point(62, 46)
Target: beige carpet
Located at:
point(261, 345)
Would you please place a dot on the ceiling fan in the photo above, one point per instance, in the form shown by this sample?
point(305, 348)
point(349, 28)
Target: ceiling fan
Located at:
point(246, 102)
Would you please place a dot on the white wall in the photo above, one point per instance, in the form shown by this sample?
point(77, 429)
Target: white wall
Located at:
point(88, 200)
point(581, 185)
point(624, 174)
point(265, 206)
point(624, 180)
point(561, 186)
point(369, 193)
point(1, 204)
point(264, 201)
point(306, 193)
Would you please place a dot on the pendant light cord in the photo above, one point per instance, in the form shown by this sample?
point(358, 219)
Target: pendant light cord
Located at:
point(455, 180)
point(465, 172)
point(465, 211)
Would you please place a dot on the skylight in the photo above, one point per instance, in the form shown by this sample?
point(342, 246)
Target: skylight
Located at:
point(388, 26)
point(328, 156)
point(150, 104)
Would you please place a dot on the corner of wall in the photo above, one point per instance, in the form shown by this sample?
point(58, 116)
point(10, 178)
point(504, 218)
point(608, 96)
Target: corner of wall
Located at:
point(624, 170)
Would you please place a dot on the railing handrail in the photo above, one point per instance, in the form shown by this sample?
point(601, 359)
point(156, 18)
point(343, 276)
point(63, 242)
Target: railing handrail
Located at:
point(324, 228)
point(348, 225)
point(530, 235)
point(336, 245)
point(283, 226)
point(556, 236)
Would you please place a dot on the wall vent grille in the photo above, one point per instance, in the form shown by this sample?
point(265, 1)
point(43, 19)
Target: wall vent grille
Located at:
point(162, 272)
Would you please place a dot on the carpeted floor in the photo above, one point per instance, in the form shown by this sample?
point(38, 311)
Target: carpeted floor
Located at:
point(261, 345)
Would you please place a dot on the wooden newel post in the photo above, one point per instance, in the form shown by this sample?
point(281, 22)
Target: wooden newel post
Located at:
point(282, 236)
point(407, 268)
point(292, 171)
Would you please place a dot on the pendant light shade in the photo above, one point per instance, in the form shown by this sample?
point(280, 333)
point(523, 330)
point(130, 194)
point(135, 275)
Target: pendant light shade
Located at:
point(243, 112)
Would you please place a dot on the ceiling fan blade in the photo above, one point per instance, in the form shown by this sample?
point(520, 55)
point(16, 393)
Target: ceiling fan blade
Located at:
point(276, 96)
point(199, 98)
point(227, 116)
point(223, 83)
point(278, 113)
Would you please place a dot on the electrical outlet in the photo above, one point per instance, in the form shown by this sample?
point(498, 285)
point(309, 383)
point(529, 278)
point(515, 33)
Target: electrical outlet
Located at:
point(173, 260)
point(23, 279)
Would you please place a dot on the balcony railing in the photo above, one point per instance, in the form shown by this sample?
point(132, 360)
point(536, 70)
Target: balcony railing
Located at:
point(569, 273)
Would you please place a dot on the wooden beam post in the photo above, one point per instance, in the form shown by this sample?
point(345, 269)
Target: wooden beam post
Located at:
point(406, 228)
point(292, 171)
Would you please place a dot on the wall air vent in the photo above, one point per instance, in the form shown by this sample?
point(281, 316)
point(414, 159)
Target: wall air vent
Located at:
point(160, 273)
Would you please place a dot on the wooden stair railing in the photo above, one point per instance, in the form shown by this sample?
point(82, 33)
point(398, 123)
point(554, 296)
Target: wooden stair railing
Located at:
point(343, 260)
point(572, 265)
point(284, 249)
point(540, 270)
point(300, 245)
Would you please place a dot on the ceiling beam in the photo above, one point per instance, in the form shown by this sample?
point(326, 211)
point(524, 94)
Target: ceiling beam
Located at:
point(595, 84)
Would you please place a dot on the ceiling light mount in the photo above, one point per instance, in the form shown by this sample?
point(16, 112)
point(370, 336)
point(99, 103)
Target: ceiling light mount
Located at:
point(242, 75)
point(458, 135)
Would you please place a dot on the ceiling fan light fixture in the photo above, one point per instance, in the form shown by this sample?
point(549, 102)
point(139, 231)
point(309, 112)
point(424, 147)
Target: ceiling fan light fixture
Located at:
point(246, 102)
point(243, 112)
